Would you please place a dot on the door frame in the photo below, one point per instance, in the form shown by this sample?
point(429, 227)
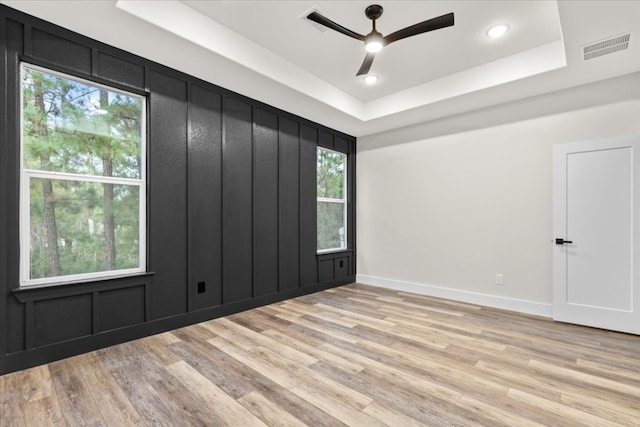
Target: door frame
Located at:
point(583, 315)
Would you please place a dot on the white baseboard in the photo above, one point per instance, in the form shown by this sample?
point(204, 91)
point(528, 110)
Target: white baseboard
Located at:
point(494, 301)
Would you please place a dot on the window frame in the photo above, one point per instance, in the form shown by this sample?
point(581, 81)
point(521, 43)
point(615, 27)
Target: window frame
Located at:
point(25, 195)
point(344, 201)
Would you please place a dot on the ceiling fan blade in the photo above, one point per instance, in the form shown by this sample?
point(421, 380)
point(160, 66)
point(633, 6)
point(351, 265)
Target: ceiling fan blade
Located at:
point(366, 65)
point(421, 27)
point(316, 17)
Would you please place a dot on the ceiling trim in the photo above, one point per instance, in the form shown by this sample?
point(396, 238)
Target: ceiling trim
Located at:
point(541, 59)
point(191, 25)
point(311, 97)
point(177, 18)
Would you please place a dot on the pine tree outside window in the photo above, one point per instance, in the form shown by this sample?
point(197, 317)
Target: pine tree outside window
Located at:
point(331, 200)
point(83, 180)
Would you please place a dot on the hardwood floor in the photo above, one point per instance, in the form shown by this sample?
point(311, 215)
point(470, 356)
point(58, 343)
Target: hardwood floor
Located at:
point(355, 355)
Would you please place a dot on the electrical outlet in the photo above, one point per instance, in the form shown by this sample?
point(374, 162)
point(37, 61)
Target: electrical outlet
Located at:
point(499, 279)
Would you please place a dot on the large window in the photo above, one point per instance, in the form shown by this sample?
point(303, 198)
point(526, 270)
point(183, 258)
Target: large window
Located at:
point(332, 200)
point(82, 194)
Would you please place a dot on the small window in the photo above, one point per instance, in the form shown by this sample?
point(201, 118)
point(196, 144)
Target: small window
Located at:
point(82, 194)
point(332, 200)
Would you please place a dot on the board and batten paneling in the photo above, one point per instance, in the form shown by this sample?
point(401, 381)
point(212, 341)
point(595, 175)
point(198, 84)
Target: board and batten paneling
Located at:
point(308, 212)
point(289, 196)
point(167, 166)
point(231, 212)
point(265, 205)
point(205, 197)
point(237, 236)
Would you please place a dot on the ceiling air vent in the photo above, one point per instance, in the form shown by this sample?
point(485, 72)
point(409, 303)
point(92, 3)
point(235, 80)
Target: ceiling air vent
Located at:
point(605, 47)
point(315, 25)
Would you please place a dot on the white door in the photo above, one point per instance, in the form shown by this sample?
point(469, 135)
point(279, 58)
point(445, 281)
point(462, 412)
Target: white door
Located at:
point(596, 241)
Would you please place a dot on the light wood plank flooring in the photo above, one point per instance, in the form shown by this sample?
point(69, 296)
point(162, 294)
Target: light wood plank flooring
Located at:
point(355, 355)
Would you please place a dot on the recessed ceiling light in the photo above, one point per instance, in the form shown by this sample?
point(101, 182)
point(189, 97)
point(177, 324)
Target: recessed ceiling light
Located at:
point(497, 31)
point(371, 79)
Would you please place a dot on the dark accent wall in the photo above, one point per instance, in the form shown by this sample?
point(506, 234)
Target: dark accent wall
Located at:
point(231, 205)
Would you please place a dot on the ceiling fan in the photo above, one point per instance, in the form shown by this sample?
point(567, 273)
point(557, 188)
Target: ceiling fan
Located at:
point(374, 41)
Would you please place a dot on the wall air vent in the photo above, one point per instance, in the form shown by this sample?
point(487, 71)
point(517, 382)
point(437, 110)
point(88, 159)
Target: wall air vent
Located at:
point(606, 47)
point(315, 25)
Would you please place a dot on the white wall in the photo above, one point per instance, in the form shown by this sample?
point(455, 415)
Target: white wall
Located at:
point(441, 212)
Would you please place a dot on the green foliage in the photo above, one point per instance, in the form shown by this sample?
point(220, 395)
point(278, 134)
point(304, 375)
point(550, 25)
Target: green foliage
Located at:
point(330, 172)
point(76, 128)
point(330, 225)
point(331, 204)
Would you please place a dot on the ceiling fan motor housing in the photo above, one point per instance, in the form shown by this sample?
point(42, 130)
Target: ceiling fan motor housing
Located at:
point(374, 11)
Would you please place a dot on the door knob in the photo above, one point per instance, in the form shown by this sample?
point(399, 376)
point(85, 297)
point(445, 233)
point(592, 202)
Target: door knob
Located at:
point(562, 241)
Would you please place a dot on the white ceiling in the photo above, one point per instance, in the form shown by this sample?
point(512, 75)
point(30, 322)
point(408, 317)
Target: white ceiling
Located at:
point(335, 58)
point(263, 49)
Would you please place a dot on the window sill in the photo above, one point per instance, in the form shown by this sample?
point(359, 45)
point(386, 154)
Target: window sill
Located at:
point(333, 253)
point(43, 292)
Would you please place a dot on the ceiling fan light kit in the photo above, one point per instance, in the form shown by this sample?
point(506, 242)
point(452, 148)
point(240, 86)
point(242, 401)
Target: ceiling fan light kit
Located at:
point(374, 41)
